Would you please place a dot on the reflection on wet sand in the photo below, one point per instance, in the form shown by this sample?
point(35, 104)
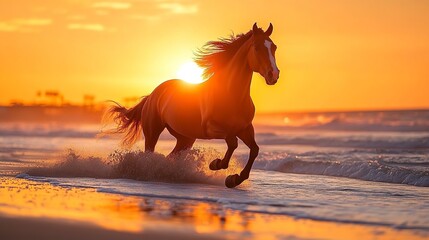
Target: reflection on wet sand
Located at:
point(21, 198)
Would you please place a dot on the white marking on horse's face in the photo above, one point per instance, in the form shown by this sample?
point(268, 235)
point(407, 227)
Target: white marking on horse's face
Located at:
point(272, 60)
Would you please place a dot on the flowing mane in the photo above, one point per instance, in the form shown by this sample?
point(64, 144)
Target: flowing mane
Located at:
point(215, 54)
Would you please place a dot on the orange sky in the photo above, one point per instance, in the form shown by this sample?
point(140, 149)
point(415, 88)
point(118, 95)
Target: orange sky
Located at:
point(332, 55)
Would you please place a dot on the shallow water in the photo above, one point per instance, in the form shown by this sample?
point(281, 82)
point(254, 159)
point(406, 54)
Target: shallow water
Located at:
point(302, 196)
point(336, 168)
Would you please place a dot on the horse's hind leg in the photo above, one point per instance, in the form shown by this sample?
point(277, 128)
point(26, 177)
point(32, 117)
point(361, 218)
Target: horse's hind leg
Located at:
point(183, 143)
point(151, 130)
point(218, 164)
point(248, 137)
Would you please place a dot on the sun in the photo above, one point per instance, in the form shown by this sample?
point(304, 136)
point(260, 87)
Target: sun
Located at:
point(190, 72)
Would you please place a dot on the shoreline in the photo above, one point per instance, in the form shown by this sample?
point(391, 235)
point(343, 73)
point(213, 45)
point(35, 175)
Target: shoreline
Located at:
point(29, 209)
point(12, 228)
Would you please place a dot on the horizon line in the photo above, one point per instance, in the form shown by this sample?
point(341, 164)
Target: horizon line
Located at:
point(257, 113)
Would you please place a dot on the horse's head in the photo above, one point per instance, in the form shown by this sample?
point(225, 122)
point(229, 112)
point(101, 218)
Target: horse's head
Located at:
point(261, 56)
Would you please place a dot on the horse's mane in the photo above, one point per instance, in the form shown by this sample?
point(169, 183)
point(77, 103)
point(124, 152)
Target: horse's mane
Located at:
point(215, 54)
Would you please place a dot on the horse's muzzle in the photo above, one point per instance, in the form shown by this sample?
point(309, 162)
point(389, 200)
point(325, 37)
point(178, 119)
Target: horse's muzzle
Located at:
point(271, 82)
point(272, 77)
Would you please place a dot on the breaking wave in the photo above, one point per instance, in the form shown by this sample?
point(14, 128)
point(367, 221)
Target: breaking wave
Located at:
point(371, 142)
point(374, 170)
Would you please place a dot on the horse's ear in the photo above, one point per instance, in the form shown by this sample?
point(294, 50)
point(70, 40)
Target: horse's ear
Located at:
point(269, 30)
point(254, 28)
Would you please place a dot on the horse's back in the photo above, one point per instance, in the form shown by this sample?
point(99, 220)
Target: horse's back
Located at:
point(177, 104)
point(196, 110)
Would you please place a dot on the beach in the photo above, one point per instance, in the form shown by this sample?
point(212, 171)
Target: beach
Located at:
point(321, 176)
point(42, 211)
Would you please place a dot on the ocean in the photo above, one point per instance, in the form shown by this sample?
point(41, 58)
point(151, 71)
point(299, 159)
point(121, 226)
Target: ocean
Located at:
point(369, 168)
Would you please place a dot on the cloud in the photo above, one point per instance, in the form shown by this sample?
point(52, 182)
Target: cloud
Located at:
point(34, 21)
point(145, 17)
point(178, 8)
point(87, 26)
point(24, 24)
point(112, 5)
point(7, 27)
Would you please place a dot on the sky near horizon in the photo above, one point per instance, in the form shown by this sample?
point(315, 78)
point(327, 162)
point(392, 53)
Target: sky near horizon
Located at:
point(332, 54)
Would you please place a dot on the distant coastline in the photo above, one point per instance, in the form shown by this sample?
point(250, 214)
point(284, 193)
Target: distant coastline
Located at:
point(46, 113)
point(92, 114)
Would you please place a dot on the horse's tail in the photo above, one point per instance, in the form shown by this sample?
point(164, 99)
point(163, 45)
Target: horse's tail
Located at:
point(128, 121)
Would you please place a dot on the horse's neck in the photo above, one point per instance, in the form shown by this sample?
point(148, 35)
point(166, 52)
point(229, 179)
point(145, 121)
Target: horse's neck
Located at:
point(235, 79)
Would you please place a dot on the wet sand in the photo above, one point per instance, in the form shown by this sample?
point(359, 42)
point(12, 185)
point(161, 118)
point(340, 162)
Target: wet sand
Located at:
point(34, 210)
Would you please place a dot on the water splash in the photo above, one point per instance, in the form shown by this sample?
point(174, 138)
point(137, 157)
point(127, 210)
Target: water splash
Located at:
point(189, 166)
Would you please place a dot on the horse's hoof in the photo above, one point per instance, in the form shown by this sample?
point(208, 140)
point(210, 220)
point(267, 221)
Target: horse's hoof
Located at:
point(232, 181)
point(215, 164)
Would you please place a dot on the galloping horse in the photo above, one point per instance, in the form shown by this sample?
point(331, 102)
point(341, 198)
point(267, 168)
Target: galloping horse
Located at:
point(219, 108)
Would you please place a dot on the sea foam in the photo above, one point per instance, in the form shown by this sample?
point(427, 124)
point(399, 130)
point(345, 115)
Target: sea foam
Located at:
point(187, 167)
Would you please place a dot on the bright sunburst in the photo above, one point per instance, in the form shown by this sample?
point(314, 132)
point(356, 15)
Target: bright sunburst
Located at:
point(190, 72)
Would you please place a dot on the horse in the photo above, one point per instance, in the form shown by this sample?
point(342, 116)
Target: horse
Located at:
point(219, 108)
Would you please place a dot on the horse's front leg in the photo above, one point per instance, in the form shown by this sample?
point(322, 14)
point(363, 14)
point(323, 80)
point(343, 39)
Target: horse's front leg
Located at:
point(218, 164)
point(248, 137)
